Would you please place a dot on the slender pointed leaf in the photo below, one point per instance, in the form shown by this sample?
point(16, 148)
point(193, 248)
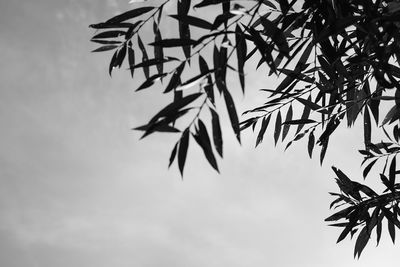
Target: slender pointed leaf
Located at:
point(183, 148)
point(278, 127)
point(216, 129)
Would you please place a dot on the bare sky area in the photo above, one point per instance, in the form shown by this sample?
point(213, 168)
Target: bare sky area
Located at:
point(79, 189)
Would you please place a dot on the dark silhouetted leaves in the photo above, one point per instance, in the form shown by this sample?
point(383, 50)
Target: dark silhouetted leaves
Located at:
point(230, 105)
point(184, 30)
point(208, 87)
point(311, 143)
point(241, 52)
point(109, 34)
point(146, 69)
point(105, 48)
point(173, 154)
point(131, 57)
point(150, 81)
point(183, 148)
point(193, 21)
point(217, 134)
point(175, 79)
point(286, 126)
point(158, 50)
point(174, 42)
point(278, 127)
point(263, 128)
point(129, 14)
point(202, 138)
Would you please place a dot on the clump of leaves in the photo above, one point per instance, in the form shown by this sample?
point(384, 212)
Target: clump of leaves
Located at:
point(337, 60)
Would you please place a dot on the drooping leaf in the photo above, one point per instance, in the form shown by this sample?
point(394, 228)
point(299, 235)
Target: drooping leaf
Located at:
point(175, 79)
point(230, 105)
point(202, 138)
point(208, 88)
point(184, 29)
point(216, 129)
point(120, 56)
point(392, 115)
point(218, 66)
point(145, 57)
point(392, 231)
point(361, 242)
point(263, 128)
point(278, 127)
point(311, 143)
point(183, 148)
point(158, 50)
point(392, 172)
point(131, 57)
point(241, 52)
point(305, 115)
point(286, 126)
point(367, 128)
point(368, 168)
point(112, 64)
point(173, 154)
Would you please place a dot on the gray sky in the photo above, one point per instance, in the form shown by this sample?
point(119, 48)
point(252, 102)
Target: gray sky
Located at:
point(79, 189)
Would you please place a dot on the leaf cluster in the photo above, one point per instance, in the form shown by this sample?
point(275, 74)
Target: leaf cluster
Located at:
point(336, 62)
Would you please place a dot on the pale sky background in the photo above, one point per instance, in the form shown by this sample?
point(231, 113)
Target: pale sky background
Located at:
point(79, 189)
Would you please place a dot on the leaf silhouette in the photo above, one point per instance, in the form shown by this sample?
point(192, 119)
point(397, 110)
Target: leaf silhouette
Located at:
point(129, 14)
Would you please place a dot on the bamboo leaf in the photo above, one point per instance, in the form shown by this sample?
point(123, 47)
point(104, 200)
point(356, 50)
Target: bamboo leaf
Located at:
point(311, 143)
point(173, 154)
point(174, 42)
point(278, 127)
point(208, 88)
point(183, 148)
point(151, 80)
point(158, 50)
point(105, 48)
point(241, 52)
point(368, 168)
point(145, 57)
point(109, 34)
point(361, 242)
point(286, 127)
point(129, 15)
point(175, 79)
point(202, 138)
point(193, 21)
point(230, 105)
point(131, 57)
point(263, 128)
point(216, 129)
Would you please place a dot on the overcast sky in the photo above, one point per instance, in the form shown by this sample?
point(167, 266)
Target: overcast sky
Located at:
point(79, 189)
